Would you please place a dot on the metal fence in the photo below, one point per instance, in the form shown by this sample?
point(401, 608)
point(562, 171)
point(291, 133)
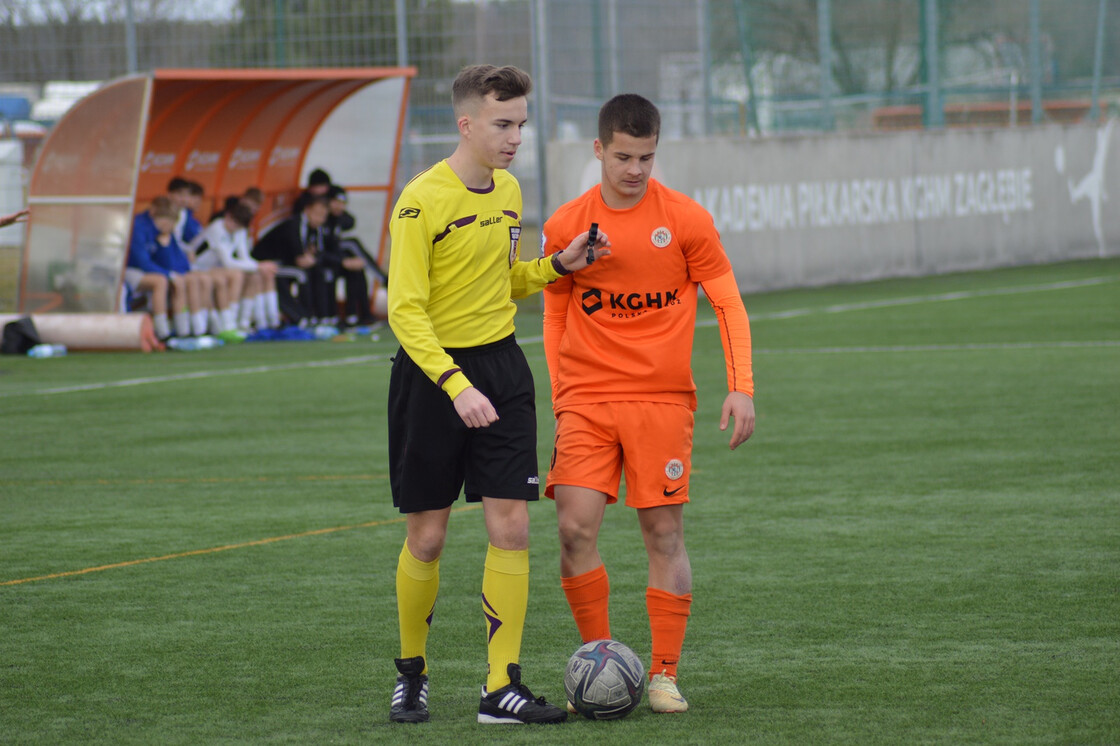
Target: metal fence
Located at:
point(716, 66)
point(755, 67)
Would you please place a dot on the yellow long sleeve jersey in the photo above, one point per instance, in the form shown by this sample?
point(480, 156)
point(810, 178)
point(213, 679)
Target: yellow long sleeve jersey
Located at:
point(454, 269)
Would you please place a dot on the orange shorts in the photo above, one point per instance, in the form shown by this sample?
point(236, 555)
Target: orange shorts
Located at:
point(650, 441)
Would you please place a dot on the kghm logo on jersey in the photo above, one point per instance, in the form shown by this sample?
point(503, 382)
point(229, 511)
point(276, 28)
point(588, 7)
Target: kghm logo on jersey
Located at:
point(661, 237)
point(514, 238)
point(628, 305)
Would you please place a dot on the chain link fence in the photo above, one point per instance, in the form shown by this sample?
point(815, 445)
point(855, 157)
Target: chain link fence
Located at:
point(716, 66)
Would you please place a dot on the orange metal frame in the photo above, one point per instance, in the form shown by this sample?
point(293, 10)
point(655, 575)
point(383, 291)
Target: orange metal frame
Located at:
point(183, 121)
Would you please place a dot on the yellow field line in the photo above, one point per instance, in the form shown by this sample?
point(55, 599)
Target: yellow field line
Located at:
point(196, 480)
point(214, 550)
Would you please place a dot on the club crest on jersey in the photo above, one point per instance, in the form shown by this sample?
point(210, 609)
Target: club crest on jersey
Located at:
point(674, 469)
point(661, 237)
point(514, 238)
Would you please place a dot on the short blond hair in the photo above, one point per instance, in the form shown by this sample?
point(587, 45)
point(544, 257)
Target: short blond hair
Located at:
point(161, 207)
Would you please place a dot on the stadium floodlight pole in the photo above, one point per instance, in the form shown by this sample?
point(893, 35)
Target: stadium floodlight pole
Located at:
point(703, 29)
point(1036, 64)
point(280, 43)
point(934, 110)
point(130, 37)
point(539, 33)
point(824, 35)
point(402, 33)
point(612, 33)
point(1098, 62)
point(402, 61)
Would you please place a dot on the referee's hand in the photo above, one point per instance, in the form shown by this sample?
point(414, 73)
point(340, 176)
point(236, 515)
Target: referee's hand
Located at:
point(574, 257)
point(474, 408)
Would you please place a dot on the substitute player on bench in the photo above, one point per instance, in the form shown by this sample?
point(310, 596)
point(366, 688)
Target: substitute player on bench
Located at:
point(618, 338)
point(462, 407)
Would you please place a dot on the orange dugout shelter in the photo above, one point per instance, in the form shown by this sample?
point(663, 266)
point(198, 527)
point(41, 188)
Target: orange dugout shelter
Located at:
point(117, 148)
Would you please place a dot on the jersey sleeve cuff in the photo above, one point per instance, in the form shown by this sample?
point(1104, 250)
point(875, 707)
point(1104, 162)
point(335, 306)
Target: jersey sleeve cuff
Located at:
point(456, 384)
point(558, 267)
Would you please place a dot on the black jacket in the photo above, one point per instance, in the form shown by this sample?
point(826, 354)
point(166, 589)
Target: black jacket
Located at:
point(286, 241)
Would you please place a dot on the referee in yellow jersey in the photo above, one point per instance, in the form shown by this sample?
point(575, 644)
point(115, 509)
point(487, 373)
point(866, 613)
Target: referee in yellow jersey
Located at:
point(462, 414)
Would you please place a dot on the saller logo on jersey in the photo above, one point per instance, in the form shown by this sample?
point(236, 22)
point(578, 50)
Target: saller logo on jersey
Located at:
point(409, 212)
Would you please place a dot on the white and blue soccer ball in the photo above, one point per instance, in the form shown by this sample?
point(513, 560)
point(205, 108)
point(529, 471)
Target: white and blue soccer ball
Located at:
point(604, 680)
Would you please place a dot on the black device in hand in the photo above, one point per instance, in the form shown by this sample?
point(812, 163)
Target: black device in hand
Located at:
point(592, 238)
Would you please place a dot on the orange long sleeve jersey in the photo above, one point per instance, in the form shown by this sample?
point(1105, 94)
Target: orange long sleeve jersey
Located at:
point(622, 329)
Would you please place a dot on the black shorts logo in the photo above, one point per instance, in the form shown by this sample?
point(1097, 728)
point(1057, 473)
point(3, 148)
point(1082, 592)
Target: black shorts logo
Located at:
point(409, 212)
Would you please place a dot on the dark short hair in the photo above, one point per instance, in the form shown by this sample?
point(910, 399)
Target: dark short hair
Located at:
point(337, 192)
point(240, 214)
point(255, 194)
point(196, 188)
point(315, 199)
point(630, 114)
point(318, 177)
point(479, 81)
point(178, 184)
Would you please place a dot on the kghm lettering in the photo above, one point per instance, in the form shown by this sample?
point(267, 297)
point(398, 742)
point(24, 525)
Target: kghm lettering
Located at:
point(637, 302)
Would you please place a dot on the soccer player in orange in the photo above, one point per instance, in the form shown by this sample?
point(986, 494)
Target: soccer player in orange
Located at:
point(618, 339)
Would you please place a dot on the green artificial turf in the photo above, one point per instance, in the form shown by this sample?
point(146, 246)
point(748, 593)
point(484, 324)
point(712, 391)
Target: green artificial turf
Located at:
point(920, 544)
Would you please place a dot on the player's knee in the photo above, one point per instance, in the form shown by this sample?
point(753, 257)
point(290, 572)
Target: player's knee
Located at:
point(510, 535)
point(576, 536)
point(426, 544)
point(664, 539)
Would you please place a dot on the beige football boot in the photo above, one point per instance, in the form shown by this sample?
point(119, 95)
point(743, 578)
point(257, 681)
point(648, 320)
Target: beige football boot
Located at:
point(664, 695)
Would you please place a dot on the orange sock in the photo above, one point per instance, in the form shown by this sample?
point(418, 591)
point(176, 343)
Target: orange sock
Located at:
point(668, 617)
point(589, 596)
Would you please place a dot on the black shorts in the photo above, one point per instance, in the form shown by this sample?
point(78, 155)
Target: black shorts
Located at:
point(433, 454)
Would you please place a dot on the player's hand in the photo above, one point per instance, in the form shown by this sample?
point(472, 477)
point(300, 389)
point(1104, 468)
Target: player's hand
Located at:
point(15, 217)
point(305, 260)
point(474, 408)
point(575, 256)
point(741, 407)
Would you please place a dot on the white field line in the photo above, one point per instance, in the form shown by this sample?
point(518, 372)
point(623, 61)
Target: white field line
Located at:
point(980, 346)
point(840, 308)
point(199, 374)
point(917, 299)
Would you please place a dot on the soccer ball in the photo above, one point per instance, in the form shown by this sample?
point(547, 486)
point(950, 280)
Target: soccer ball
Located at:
point(604, 680)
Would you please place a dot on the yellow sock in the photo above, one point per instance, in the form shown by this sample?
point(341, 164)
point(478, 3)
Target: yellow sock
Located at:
point(505, 596)
point(417, 586)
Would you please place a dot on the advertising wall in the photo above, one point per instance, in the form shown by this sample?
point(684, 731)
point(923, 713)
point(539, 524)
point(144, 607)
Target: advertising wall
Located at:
point(817, 210)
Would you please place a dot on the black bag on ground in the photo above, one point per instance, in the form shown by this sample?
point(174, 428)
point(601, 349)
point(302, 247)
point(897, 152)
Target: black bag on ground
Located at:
point(19, 337)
